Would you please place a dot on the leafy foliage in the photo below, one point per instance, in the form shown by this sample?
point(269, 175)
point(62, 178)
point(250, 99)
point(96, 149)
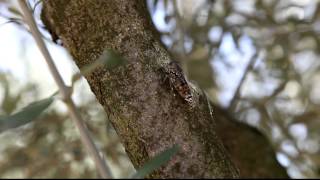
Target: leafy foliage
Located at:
point(275, 45)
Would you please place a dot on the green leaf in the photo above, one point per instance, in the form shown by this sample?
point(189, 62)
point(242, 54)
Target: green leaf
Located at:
point(112, 59)
point(108, 58)
point(156, 162)
point(26, 115)
point(15, 11)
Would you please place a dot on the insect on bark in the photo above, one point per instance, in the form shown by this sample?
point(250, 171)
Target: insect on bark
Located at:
point(177, 80)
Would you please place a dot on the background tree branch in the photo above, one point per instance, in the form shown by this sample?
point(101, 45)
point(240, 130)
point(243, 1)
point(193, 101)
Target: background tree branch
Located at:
point(249, 149)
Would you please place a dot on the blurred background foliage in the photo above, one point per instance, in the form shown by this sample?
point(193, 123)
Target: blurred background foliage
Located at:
point(259, 59)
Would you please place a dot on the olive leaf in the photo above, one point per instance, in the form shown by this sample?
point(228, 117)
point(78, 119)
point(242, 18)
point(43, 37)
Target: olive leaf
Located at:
point(108, 58)
point(156, 162)
point(26, 115)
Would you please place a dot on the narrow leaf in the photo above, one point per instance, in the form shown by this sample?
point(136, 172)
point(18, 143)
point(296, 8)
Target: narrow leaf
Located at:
point(108, 58)
point(26, 115)
point(156, 162)
point(113, 59)
point(15, 11)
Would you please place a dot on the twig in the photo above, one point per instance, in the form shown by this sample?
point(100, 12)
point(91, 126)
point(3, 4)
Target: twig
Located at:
point(66, 94)
point(247, 70)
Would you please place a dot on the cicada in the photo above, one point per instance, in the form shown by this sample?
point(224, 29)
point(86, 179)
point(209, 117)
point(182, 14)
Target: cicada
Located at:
point(178, 81)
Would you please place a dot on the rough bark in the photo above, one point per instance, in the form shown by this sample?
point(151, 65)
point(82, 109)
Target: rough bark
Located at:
point(147, 115)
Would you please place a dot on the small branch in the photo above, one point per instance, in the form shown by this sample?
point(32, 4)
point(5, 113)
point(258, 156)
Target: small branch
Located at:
point(66, 93)
point(181, 29)
point(246, 72)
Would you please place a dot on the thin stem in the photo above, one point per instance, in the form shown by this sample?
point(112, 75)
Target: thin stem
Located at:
point(102, 167)
point(65, 91)
point(182, 53)
point(246, 72)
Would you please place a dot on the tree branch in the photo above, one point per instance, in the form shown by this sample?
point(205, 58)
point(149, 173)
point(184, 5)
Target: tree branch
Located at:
point(236, 96)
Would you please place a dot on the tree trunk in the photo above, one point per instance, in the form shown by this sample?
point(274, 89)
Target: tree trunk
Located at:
point(148, 115)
